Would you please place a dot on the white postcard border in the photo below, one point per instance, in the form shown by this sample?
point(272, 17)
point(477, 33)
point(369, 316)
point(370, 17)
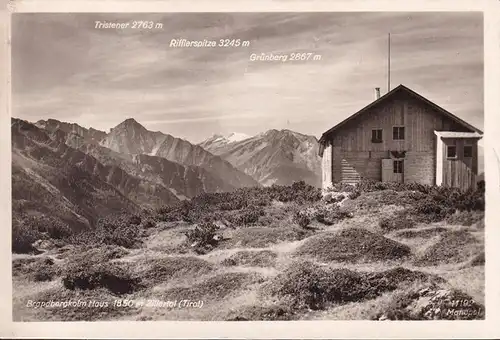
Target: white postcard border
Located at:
point(488, 328)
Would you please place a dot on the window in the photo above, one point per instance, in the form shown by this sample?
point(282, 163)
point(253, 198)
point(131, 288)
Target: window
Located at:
point(468, 151)
point(451, 151)
point(398, 133)
point(397, 167)
point(377, 136)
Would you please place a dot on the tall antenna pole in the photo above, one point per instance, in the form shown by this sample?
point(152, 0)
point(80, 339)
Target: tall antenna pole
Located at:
point(389, 64)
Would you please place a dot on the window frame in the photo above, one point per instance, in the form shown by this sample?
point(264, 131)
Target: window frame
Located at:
point(398, 134)
point(471, 151)
point(397, 169)
point(376, 140)
point(448, 152)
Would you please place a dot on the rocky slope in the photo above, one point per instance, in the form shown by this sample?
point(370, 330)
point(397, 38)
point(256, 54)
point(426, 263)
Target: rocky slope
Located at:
point(218, 142)
point(89, 135)
point(49, 177)
point(130, 137)
point(45, 182)
point(274, 157)
point(183, 181)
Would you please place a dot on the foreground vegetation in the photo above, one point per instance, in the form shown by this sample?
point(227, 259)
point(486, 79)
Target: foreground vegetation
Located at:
point(371, 251)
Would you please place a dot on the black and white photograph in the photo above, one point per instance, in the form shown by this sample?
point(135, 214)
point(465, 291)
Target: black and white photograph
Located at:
point(248, 166)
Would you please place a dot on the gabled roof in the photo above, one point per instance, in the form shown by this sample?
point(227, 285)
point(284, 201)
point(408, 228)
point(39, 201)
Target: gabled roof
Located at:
point(391, 93)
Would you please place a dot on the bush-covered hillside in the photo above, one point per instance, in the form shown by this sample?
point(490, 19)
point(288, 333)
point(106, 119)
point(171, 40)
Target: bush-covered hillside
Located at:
point(371, 251)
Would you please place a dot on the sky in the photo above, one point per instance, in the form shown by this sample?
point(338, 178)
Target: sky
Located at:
point(65, 68)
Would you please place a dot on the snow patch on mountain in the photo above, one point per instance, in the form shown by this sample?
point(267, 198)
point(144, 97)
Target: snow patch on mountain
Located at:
point(236, 137)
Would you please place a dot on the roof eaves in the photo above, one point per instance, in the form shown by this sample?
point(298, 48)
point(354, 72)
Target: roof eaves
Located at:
point(444, 111)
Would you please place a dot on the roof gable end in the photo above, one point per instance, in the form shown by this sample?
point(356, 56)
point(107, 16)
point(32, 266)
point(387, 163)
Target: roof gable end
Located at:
point(390, 94)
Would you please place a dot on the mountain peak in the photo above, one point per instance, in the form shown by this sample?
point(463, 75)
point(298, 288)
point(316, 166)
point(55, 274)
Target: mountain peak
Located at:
point(275, 156)
point(230, 137)
point(285, 133)
point(236, 137)
point(129, 123)
point(219, 140)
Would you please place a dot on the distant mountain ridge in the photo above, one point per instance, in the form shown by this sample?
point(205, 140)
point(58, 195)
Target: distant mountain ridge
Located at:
point(58, 172)
point(130, 137)
point(183, 181)
point(272, 157)
point(90, 135)
point(219, 141)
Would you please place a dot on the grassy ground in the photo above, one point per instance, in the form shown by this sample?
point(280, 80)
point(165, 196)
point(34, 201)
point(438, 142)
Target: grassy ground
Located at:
point(335, 265)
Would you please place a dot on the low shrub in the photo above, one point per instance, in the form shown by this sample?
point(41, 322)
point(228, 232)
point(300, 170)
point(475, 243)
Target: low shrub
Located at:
point(306, 285)
point(233, 205)
point(217, 287)
point(260, 237)
point(332, 215)
point(422, 233)
point(245, 203)
point(36, 268)
point(262, 313)
point(49, 225)
point(302, 219)
point(446, 197)
point(429, 211)
point(378, 199)
point(354, 194)
point(22, 266)
point(368, 185)
point(264, 258)
point(353, 245)
point(87, 256)
point(332, 197)
point(117, 279)
point(113, 230)
point(478, 260)
point(276, 217)
point(298, 192)
point(168, 214)
point(480, 224)
point(396, 222)
point(44, 274)
point(203, 236)
point(23, 238)
point(148, 223)
point(410, 197)
point(430, 303)
point(135, 220)
point(248, 216)
point(167, 268)
point(391, 279)
point(452, 247)
point(465, 218)
point(443, 203)
point(341, 187)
